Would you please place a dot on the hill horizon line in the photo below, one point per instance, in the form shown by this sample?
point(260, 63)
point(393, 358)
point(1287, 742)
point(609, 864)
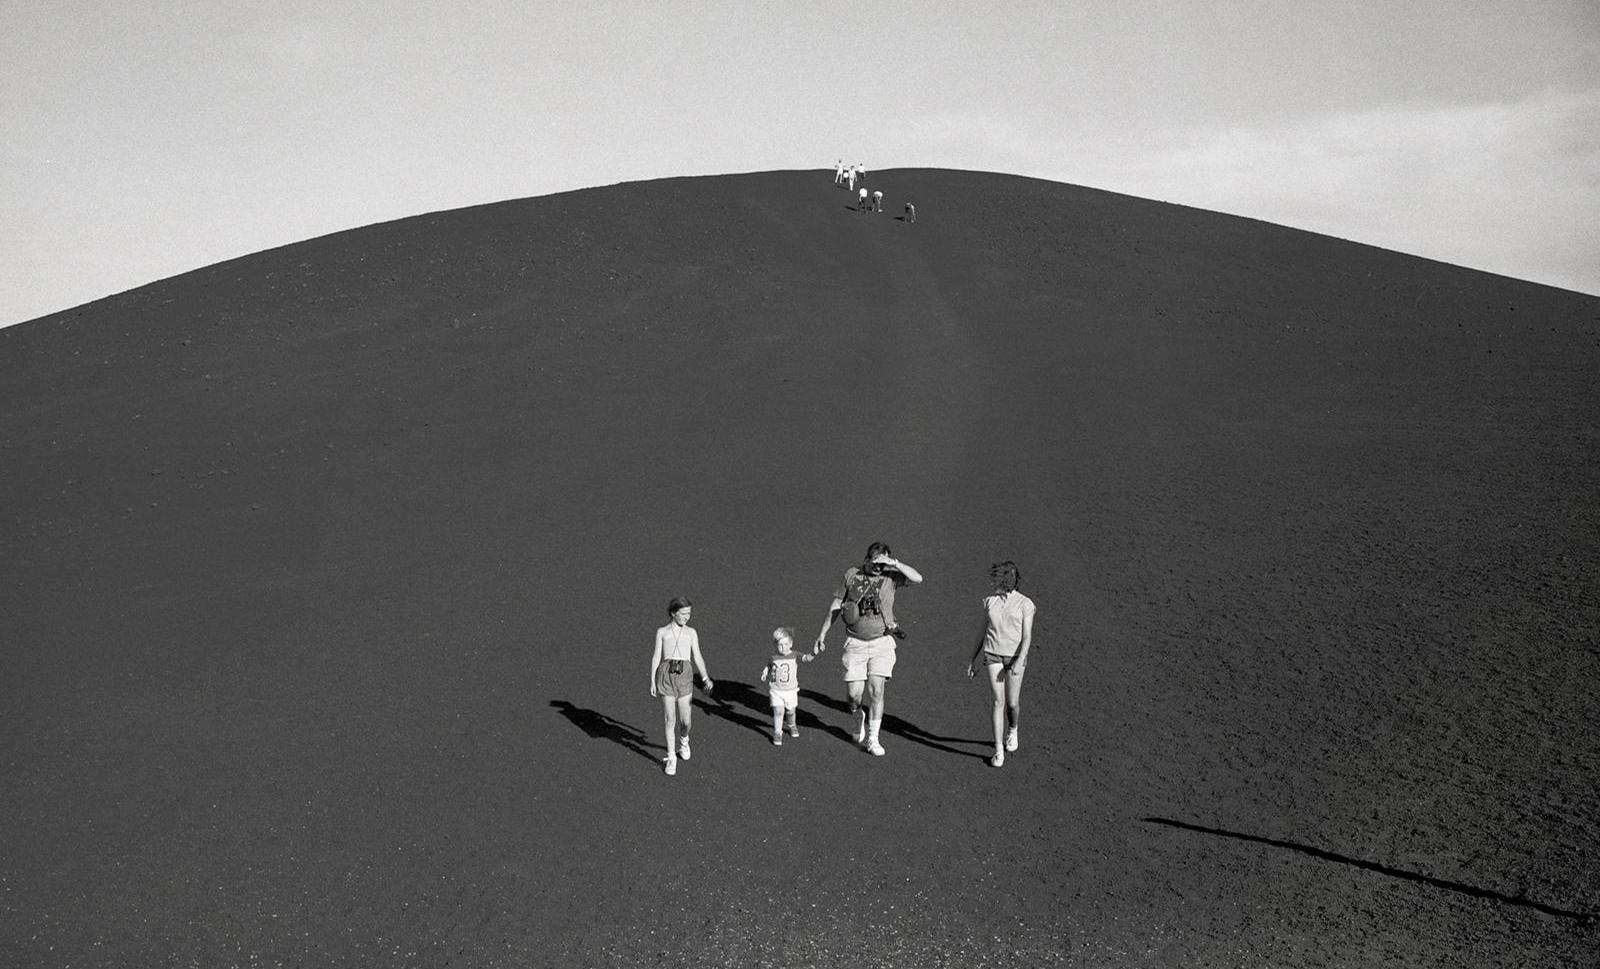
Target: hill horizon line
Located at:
point(886, 173)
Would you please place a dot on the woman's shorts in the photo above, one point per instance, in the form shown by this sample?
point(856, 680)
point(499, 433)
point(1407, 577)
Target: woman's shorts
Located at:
point(675, 677)
point(995, 659)
point(868, 657)
point(787, 700)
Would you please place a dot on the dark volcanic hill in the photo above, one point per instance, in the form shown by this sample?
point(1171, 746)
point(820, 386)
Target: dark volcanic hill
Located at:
point(330, 576)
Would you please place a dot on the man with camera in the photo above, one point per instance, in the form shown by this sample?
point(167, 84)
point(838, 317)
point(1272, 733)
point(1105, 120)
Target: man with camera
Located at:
point(865, 600)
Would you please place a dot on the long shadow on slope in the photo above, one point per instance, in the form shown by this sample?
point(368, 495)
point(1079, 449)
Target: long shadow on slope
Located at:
point(899, 727)
point(721, 702)
point(601, 727)
point(1411, 876)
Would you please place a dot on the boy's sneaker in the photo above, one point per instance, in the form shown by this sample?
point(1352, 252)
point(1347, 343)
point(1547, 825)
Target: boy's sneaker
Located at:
point(875, 749)
point(683, 748)
point(1011, 739)
point(794, 730)
point(998, 760)
point(777, 738)
point(672, 766)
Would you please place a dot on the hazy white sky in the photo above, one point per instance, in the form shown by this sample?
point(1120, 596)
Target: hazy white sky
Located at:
point(145, 138)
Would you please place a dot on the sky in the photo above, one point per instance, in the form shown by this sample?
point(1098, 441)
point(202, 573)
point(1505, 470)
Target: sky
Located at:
point(146, 138)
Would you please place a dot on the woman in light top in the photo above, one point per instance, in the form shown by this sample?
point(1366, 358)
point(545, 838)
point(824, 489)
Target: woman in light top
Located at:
point(673, 666)
point(1007, 635)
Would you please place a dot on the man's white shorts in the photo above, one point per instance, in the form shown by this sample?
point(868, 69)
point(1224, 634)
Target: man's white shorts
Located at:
point(868, 657)
point(785, 700)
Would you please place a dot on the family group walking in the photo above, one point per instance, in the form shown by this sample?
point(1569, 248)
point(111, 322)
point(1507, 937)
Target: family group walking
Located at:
point(864, 602)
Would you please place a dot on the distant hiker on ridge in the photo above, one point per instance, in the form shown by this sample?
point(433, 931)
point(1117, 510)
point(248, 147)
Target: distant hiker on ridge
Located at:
point(838, 172)
point(911, 212)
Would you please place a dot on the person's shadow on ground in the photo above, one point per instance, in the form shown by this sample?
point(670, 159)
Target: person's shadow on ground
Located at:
point(722, 703)
point(601, 727)
point(898, 727)
point(914, 733)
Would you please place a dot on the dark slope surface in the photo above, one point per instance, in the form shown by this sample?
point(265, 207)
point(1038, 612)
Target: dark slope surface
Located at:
point(330, 576)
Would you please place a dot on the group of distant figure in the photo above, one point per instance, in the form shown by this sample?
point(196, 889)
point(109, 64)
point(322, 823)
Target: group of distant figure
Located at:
point(847, 176)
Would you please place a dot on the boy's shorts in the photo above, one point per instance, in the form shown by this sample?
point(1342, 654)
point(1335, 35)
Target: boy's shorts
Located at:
point(786, 700)
point(868, 657)
point(675, 677)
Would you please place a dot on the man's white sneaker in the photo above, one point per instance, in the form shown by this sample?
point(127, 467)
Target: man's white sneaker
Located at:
point(1011, 739)
point(672, 766)
point(875, 749)
point(998, 760)
point(683, 748)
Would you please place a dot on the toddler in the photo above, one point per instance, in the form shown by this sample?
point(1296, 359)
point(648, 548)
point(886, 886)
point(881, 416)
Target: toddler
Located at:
point(782, 677)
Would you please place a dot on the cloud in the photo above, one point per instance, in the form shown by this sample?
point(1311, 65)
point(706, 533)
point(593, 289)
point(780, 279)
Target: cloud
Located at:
point(1512, 188)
